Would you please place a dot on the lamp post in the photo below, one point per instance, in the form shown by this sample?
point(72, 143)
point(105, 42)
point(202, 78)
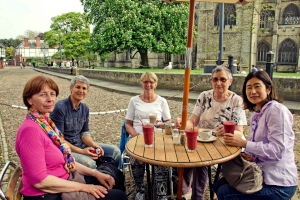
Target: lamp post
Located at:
point(221, 25)
point(270, 64)
point(60, 47)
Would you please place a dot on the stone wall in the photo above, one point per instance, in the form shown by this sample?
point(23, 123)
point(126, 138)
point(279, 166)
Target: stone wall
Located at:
point(287, 88)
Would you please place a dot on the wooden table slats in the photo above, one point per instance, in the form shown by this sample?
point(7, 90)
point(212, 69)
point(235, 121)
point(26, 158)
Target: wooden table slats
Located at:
point(164, 153)
point(202, 152)
point(159, 148)
point(170, 149)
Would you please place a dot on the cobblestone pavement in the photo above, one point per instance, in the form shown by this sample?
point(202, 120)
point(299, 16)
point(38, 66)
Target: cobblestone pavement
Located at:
point(104, 128)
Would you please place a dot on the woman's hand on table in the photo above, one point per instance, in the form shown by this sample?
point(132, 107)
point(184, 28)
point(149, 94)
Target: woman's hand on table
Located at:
point(87, 152)
point(178, 122)
point(234, 140)
point(248, 157)
point(220, 129)
point(96, 190)
point(160, 124)
point(106, 180)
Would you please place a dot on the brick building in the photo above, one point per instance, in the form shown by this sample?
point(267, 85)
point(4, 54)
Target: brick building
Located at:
point(32, 49)
point(2, 56)
point(276, 29)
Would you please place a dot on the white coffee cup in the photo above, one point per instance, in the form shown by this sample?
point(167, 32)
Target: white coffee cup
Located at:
point(205, 133)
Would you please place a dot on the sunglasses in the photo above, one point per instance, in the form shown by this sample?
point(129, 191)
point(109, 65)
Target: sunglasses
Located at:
point(146, 82)
point(215, 79)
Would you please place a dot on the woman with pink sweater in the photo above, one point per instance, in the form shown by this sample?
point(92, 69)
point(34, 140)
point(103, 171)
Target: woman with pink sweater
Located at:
point(46, 159)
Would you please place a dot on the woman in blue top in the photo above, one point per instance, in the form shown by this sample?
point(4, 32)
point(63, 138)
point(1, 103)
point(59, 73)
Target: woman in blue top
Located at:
point(270, 143)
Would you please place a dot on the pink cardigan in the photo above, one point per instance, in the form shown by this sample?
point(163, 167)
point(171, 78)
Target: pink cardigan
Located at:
point(39, 157)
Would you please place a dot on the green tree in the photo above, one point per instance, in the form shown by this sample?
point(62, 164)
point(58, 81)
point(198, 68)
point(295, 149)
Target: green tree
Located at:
point(141, 25)
point(28, 33)
point(74, 30)
point(9, 53)
point(10, 42)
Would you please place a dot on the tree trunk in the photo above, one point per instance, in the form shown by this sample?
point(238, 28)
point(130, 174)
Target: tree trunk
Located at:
point(144, 58)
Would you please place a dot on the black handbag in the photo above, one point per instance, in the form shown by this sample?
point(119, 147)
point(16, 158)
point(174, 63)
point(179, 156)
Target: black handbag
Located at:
point(106, 165)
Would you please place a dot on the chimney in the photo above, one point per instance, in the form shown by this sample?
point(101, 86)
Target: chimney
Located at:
point(26, 44)
point(38, 42)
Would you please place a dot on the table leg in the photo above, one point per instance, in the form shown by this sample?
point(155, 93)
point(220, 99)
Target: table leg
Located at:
point(217, 173)
point(148, 180)
point(210, 184)
point(179, 183)
point(153, 183)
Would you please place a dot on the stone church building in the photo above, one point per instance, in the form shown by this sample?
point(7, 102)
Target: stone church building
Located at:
point(274, 27)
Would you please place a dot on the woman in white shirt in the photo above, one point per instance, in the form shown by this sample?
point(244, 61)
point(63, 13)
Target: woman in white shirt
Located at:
point(144, 104)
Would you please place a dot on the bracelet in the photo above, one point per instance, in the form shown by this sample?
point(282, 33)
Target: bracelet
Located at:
point(93, 172)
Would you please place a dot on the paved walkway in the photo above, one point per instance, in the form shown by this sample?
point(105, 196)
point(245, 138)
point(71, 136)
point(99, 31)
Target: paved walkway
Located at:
point(293, 106)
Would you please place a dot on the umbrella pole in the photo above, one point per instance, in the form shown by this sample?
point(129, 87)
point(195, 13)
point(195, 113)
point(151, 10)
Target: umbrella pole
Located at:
point(186, 87)
point(188, 64)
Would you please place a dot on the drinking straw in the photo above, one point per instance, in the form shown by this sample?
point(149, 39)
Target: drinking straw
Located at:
point(140, 118)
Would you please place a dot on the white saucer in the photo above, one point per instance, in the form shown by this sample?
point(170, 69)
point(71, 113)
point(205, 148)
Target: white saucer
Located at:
point(211, 139)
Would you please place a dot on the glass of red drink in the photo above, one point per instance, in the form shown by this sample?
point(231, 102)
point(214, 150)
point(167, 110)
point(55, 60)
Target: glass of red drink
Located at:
point(191, 137)
point(229, 127)
point(148, 130)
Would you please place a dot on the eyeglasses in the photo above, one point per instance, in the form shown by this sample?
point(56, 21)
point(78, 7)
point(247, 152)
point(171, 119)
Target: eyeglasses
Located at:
point(146, 82)
point(215, 79)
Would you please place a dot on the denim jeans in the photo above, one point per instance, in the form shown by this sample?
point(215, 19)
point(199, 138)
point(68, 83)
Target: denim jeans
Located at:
point(109, 150)
point(268, 192)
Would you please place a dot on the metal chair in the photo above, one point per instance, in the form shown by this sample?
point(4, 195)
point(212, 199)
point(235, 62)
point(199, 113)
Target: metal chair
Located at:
point(14, 184)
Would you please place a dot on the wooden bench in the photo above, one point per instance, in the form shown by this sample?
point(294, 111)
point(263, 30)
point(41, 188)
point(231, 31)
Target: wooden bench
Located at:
point(14, 184)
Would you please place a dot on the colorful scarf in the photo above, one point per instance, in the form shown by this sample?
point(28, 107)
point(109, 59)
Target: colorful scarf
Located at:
point(55, 135)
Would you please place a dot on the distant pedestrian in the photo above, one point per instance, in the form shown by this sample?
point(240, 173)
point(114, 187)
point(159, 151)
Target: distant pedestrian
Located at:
point(21, 65)
point(254, 69)
point(238, 66)
point(68, 65)
point(62, 65)
point(261, 69)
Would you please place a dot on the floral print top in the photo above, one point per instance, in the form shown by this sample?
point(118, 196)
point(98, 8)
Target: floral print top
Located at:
point(213, 113)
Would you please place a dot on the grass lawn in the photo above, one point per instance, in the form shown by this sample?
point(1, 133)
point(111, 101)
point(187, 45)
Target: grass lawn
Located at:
point(181, 71)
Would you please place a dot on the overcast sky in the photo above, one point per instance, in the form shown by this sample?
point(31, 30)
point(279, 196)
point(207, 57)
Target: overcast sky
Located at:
point(17, 16)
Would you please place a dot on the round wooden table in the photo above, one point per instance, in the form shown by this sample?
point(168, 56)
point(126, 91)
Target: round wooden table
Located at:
point(164, 153)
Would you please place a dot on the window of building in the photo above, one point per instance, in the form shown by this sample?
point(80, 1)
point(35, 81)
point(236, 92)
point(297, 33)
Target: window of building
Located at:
point(229, 14)
point(287, 52)
point(291, 14)
point(167, 57)
point(182, 57)
point(262, 50)
point(267, 18)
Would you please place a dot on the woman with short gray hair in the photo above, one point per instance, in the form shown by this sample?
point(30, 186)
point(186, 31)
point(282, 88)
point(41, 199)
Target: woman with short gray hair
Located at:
point(213, 107)
point(80, 78)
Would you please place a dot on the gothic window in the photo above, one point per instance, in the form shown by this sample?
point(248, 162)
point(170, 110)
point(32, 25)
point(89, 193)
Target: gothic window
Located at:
point(182, 57)
point(262, 50)
point(291, 15)
point(229, 14)
point(287, 52)
point(167, 57)
point(196, 20)
point(267, 18)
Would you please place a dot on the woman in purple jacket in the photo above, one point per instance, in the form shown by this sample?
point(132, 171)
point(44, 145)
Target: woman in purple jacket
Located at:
point(270, 143)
